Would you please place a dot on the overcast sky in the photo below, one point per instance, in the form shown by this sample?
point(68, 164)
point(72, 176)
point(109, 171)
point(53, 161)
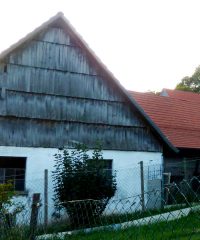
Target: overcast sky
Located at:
point(147, 44)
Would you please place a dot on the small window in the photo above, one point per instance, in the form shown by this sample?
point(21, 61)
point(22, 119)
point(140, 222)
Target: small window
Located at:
point(13, 169)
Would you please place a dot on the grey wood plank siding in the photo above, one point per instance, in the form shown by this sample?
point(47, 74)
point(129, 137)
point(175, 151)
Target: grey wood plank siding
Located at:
point(31, 79)
point(37, 133)
point(56, 96)
point(42, 106)
point(53, 56)
point(55, 35)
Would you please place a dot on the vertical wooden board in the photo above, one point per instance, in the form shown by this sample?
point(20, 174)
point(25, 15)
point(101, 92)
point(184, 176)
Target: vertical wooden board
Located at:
point(54, 35)
point(41, 106)
point(1, 80)
point(53, 56)
point(34, 216)
point(35, 133)
point(1, 68)
point(3, 110)
point(57, 82)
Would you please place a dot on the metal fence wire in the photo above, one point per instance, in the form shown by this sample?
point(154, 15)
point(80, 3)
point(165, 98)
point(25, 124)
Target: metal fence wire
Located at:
point(165, 210)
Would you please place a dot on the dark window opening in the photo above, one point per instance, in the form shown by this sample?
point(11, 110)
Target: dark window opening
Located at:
point(5, 68)
point(13, 169)
point(176, 179)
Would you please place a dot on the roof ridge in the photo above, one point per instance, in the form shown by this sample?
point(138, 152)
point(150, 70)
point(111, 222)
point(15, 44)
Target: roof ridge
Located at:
point(164, 97)
point(181, 91)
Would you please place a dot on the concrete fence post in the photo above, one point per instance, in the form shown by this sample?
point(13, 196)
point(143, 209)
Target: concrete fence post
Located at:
point(45, 197)
point(142, 185)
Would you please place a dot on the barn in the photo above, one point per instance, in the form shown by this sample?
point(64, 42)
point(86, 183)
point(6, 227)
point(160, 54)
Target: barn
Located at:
point(55, 92)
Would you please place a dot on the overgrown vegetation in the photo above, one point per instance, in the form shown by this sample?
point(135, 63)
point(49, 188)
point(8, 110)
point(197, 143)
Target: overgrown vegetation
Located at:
point(6, 195)
point(83, 187)
point(8, 212)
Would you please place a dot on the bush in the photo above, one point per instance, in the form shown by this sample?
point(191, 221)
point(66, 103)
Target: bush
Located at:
point(8, 208)
point(81, 184)
point(6, 194)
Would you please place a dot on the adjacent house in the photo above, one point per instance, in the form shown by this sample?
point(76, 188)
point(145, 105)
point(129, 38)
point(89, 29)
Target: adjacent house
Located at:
point(55, 92)
point(177, 114)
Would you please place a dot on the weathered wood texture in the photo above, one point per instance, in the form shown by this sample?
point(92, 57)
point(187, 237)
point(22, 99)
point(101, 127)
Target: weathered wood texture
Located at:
point(37, 133)
point(53, 95)
point(53, 56)
point(37, 80)
point(40, 106)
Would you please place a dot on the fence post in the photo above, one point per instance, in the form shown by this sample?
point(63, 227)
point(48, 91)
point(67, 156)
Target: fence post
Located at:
point(34, 215)
point(142, 185)
point(45, 197)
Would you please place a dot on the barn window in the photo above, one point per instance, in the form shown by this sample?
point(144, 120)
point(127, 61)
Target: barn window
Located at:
point(13, 169)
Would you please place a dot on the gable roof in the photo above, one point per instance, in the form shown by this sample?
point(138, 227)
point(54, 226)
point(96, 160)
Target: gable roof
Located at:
point(60, 20)
point(177, 118)
point(178, 94)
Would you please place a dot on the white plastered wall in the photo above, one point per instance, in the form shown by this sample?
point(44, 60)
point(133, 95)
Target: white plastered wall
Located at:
point(125, 164)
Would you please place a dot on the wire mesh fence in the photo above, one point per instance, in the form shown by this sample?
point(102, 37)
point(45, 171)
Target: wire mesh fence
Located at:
point(185, 169)
point(145, 206)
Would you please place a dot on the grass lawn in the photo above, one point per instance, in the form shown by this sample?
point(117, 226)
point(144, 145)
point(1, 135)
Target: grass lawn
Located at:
point(64, 225)
point(184, 228)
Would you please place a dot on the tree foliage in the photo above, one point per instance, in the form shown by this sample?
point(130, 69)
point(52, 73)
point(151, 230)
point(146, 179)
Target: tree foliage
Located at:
point(81, 185)
point(192, 83)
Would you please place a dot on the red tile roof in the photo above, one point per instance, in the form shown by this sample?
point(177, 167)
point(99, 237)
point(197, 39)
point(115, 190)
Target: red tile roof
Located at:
point(184, 95)
point(178, 119)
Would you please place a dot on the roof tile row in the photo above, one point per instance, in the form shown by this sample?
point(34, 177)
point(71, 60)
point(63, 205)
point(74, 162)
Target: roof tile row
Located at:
point(177, 114)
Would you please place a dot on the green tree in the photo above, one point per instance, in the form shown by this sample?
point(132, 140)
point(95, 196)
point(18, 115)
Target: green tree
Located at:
point(81, 184)
point(192, 83)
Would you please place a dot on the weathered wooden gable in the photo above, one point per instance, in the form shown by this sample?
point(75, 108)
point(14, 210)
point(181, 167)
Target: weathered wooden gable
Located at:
point(53, 94)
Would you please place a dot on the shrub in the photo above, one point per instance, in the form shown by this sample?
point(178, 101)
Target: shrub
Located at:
point(8, 212)
point(81, 185)
point(8, 208)
point(6, 194)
